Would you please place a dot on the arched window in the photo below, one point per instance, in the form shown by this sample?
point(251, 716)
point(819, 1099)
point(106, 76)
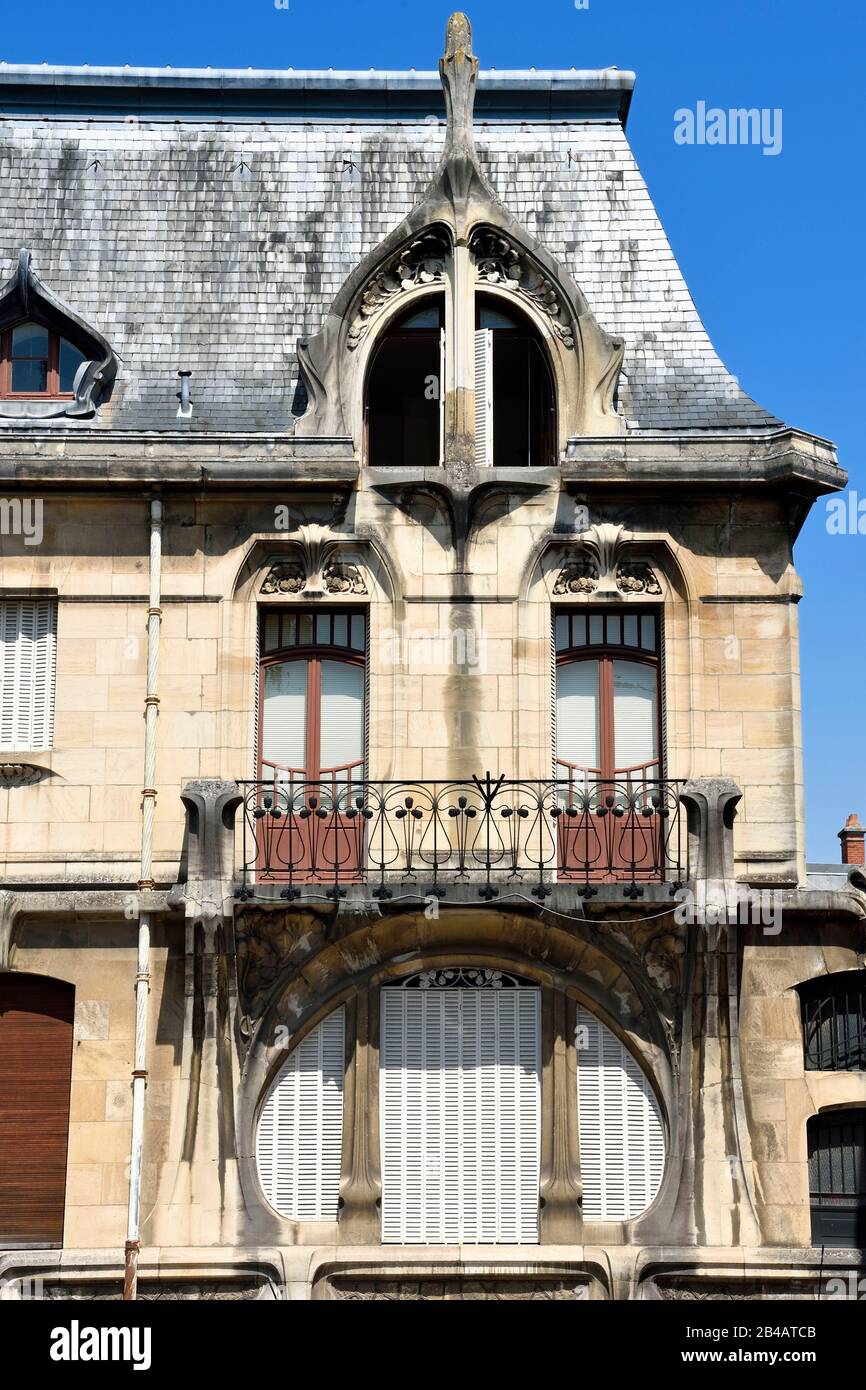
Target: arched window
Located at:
point(607, 696)
point(622, 1143)
point(460, 1109)
point(403, 413)
point(37, 362)
point(299, 1141)
point(833, 1009)
point(837, 1177)
point(36, 1018)
point(312, 697)
point(515, 423)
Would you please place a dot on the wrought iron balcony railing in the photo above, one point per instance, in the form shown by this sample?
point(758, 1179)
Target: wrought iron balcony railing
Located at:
point(424, 837)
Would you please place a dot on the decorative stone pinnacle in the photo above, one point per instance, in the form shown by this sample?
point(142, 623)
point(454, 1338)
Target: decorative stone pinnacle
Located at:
point(458, 69)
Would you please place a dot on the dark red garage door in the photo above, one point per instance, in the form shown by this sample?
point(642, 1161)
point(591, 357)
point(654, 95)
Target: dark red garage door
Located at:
point(35, 1076)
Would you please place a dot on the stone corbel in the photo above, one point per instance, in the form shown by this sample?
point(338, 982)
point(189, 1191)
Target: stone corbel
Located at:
point(711, 807)
point(316, 571)
point(604, 570)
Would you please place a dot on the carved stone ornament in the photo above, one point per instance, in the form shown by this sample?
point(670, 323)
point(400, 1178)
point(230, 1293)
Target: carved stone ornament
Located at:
point(499, 261)
point(603, 570)
point(287, 578)
point(422, 262)
point(412, 1290)
point(315, 571)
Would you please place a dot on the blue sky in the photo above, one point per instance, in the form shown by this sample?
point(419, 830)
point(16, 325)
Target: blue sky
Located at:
point(771, 247)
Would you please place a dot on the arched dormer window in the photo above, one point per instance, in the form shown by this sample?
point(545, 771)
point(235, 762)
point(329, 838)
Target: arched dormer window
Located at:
point(37, 362)
point(404, 408)
point(52, 362)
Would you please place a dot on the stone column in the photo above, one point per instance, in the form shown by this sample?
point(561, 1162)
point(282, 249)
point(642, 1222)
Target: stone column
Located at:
point(361, 1187)
point(560, 1186)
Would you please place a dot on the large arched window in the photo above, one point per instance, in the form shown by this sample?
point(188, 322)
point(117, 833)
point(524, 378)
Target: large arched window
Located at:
point(299, 1141)
point(833, 1010)
point(36, 1019)
point(837, 1177)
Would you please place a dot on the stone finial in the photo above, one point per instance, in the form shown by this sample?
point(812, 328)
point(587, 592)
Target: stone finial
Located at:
point(458, 69)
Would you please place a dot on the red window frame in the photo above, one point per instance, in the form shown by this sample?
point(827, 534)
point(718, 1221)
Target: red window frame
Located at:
point(606, 652)
point(52, 388)
point(312, 653)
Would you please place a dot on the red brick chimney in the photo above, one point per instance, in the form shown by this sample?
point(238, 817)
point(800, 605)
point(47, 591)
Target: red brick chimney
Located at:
point(852, 841)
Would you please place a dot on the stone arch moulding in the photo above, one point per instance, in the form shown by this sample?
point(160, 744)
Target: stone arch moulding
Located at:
point(25, 295)
point(605, 562)
point(460, 237)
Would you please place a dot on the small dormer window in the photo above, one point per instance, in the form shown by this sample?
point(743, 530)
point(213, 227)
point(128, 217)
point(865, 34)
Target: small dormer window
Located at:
point(37, 362)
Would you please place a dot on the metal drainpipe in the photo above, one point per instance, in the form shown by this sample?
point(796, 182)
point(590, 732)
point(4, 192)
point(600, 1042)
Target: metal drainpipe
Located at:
point(145, 883)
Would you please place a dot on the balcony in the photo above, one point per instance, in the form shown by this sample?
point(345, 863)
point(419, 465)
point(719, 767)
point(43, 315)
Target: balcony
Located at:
point(492, 834)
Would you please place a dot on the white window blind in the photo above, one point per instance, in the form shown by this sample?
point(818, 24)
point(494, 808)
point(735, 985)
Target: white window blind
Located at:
point(300, 1135)
point(284, 715)
point(342, 729)
point(577, 724)
point(28, 632)
point(622, 1145)
point(484, 398)
point(460, 1103)
point(635, 719)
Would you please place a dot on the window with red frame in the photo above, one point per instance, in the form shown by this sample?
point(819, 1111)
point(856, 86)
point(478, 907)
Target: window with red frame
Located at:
point(312, 679)
point(36, 361)
point(608, 698)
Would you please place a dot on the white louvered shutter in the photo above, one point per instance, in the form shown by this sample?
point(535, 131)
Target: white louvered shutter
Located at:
point(28, 633)
point(299, 1142)
point(622, 1145)
point(460, 1106)
point(484, 398)
point(441, 395)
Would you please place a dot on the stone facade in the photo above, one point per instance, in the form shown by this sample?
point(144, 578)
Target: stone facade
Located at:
point(254, 256)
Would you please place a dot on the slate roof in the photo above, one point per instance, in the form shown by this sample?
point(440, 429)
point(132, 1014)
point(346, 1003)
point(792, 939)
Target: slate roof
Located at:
point(210, 242)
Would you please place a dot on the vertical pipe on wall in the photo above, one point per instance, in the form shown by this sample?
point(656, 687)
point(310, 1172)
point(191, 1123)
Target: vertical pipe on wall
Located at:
point(145, 883)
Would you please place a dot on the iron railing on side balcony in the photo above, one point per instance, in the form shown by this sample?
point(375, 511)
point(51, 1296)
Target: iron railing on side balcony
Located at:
point(426, 837)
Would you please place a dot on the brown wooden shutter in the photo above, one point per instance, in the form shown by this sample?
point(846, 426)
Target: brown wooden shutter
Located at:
point(36, 1016)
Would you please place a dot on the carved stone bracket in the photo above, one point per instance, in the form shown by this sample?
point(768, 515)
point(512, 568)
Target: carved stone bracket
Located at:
point(604, 570)
point(500, 261)
point(315, 572)
point(711, 806)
